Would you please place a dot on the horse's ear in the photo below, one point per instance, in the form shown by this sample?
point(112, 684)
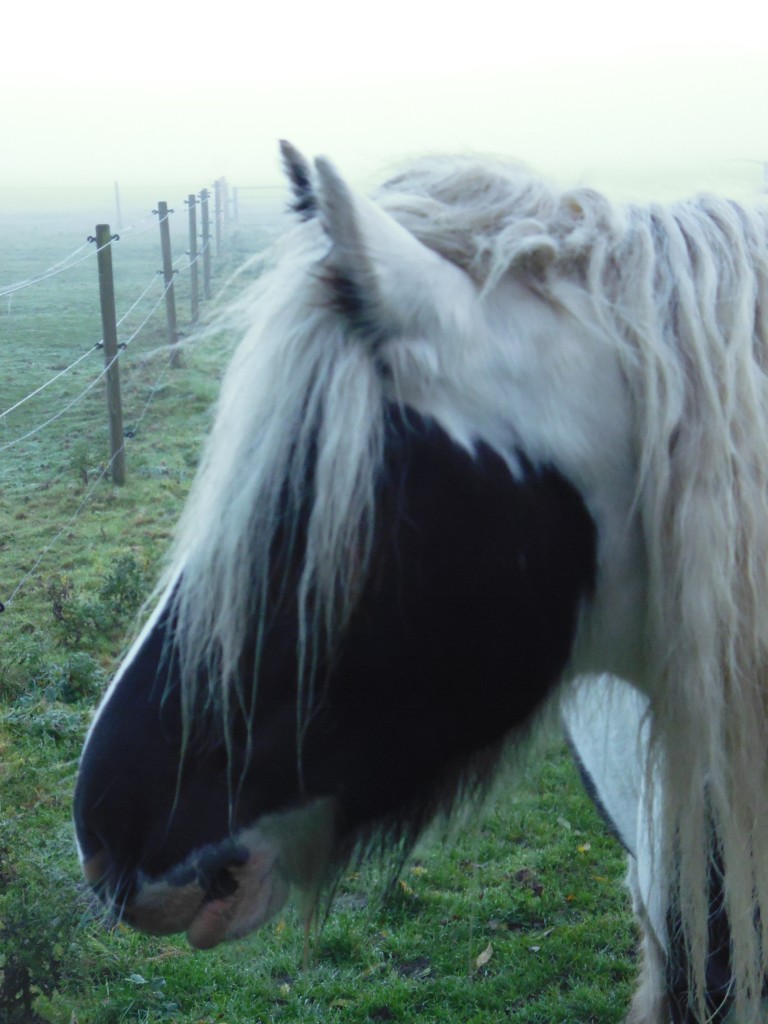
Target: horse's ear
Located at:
point(299, 174)
point(350, 273)
point(378, 276)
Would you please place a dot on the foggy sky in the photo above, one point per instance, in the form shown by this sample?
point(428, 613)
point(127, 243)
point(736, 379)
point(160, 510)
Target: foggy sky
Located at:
point(590, 92)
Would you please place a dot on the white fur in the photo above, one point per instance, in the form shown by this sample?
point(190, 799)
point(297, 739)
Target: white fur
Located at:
point(608, 723)
point(626, 346)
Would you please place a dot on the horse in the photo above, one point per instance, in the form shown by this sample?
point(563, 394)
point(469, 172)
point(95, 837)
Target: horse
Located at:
point(488, 447)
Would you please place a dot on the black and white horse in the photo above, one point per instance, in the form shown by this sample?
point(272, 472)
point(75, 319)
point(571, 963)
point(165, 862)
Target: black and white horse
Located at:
point(483, 440)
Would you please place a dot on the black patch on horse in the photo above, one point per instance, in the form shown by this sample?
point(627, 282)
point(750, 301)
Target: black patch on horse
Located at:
point(718, 969)
point(464, 623)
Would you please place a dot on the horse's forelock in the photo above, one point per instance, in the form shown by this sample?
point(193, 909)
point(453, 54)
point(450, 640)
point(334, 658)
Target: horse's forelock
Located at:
point(297, 434)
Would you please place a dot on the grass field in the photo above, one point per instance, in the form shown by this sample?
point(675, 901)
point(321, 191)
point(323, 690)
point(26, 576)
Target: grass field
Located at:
point(515, 914)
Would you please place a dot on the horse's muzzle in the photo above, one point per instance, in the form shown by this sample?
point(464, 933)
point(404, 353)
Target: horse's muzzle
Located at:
point(218, 893)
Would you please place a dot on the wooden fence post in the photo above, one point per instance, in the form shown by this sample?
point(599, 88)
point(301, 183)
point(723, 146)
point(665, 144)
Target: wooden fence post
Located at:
point(117, 207)
point(170, 298)
point(104, 240)
point(206, 237)
point(225, 203)
point(217, 205)
point(194, 287)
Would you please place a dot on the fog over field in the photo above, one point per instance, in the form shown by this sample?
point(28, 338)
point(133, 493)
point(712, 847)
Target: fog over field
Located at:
point(653, 99)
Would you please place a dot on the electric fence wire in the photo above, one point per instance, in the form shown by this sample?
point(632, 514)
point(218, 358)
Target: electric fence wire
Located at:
point(199, 255)
point(80, 358)
point(140, 227)
point(75, 401)
point(142, 296)
point(73, 259)
point(86, 497)
point(94, 348)
point(179, 259)
point(57, 268)
point(61, 373)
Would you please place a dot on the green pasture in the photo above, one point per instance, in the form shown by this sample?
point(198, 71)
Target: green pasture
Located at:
point(516, 913)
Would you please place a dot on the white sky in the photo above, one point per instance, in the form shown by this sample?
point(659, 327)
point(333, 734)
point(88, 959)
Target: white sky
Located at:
point(153, 93)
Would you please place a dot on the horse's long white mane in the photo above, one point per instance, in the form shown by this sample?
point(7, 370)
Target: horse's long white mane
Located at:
point(683, 289)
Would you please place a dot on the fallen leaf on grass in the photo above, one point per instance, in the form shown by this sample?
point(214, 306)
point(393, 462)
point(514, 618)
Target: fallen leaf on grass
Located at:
point(485, 956)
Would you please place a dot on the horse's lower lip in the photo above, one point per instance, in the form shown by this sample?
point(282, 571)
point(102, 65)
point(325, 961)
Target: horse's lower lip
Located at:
point(259, 892)
point(210, 924)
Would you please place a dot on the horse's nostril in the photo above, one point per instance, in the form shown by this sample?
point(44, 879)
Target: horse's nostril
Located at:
point(214, 869)
point(221, 885)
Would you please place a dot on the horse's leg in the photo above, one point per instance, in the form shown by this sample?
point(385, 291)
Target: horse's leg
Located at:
point(606, 724)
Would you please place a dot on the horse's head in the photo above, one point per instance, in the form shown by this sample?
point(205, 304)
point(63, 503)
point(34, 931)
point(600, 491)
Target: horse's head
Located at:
point(397, 535)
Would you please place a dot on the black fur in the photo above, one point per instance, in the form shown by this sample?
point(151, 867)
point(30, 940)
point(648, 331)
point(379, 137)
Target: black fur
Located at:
point(718, 972)
point(464, 624)
point(347, 294)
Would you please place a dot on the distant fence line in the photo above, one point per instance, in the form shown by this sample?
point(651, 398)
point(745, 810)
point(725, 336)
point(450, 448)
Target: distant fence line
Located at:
point(212, 227)
point(241, 194)
point(219, 207)
point(206, 235)
point(104, 240)
point(229, 202)
point(199, 264)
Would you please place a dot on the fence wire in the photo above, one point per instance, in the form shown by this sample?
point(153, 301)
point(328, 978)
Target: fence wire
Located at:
point(73, 259)
point(76, 362)
point(86, 497)
point(107, 367)
point(181, 265)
